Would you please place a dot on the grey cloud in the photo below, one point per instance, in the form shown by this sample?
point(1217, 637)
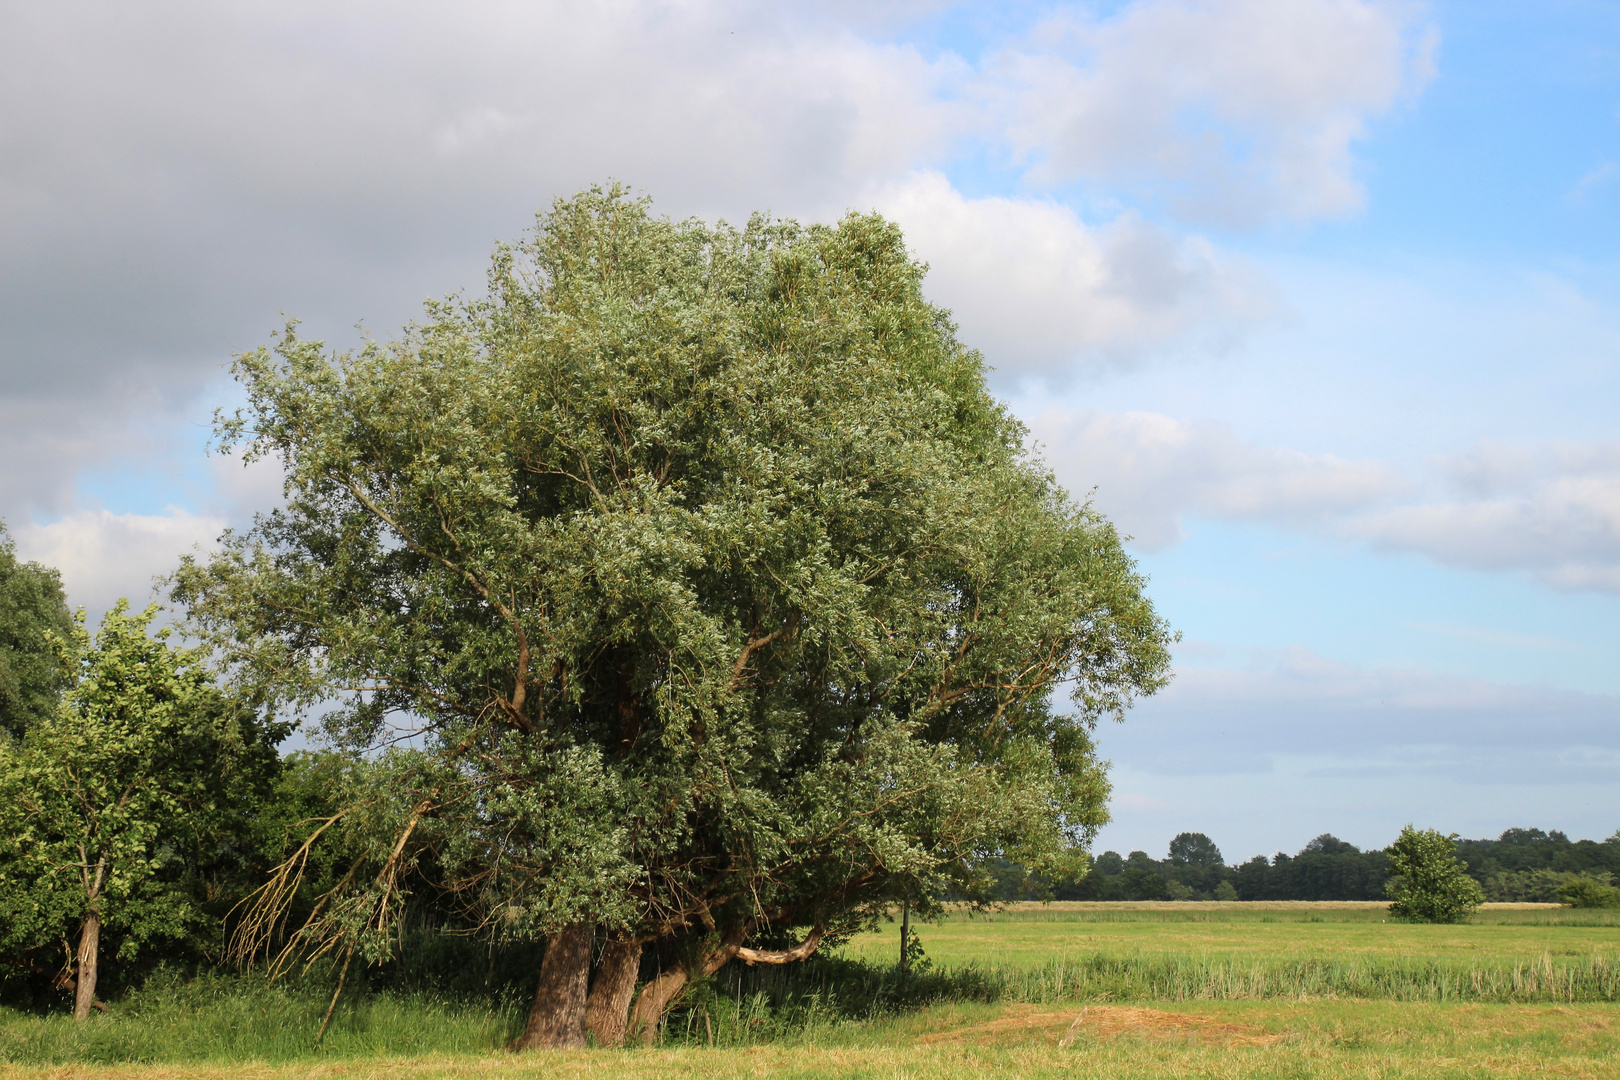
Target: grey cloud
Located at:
point(1552, 511)
point(173, 176)
point(1358, 721)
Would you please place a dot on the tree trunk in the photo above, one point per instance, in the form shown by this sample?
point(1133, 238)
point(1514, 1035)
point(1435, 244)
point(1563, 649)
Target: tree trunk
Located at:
point(557, 1021)
point(655, 998)
point(607, 1010)
point(84, 997)
point(905, 934)
point(658, 995)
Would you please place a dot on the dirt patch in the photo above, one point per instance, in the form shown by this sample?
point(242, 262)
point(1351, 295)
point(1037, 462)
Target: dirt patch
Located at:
point(1110, 1021)
point(1107, 1022)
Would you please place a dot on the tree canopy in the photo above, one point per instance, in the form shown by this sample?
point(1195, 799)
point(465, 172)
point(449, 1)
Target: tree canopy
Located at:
point(1429, 882)
point(1194, 849)
point(721, 595)
point(33, 609)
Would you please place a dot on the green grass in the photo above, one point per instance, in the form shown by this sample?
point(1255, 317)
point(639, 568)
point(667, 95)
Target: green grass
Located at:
point(1036, 935)
point(1320, 990)
point(1333, 1040)
point(241, 1019)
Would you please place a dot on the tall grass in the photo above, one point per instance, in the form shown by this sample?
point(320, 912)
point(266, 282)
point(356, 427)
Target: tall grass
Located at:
point(224, 1018)
point(1271, 912)
point(745, 1005)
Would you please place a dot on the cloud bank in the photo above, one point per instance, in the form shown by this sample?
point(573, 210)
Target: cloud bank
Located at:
point(1045, 292)
point(1551, 511)
point(176, 175)
point(1296, 704)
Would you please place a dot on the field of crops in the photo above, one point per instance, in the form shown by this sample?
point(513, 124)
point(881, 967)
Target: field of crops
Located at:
point(1073, 990)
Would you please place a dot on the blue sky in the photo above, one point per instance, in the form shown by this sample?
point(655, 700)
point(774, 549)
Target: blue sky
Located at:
point(1320, 297)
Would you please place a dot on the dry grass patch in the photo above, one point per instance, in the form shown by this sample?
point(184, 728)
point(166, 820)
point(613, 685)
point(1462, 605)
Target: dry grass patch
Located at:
point(1023, 1023)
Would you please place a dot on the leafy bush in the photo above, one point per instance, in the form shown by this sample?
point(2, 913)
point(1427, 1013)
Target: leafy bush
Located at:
point(1430, 884)
point(1589, 891)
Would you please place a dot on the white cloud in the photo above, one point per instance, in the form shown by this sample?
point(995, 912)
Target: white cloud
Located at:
point(1047, 290)
point(104, 556)
point(1552, 510)
point(1150, 470)
point(1239, 110)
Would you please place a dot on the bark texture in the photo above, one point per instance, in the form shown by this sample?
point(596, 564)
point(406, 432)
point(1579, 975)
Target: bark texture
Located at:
point(557, 1020)
point(84, 997)
point(607, 1010)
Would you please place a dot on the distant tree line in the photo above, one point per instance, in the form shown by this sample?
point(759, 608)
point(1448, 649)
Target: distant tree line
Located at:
point(1521, 865)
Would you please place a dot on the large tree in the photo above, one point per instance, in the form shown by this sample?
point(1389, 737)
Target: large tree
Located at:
point(722, 594)
point(34, 618)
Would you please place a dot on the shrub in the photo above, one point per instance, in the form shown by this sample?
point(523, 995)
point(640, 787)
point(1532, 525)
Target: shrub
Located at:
point(1589, 891)
point(1430, 883)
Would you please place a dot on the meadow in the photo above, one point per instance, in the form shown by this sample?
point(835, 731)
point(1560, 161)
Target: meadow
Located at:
point(1078, 990)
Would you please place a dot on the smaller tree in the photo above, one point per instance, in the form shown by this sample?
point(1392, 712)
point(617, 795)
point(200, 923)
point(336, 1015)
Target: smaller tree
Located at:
point(1429, 883)
point(1194, 849)
point(100, 796)
point(1328, 844)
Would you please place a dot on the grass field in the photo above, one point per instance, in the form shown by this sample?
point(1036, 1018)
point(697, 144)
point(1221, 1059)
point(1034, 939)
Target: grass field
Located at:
point(1033, 934)
point(1117, 990)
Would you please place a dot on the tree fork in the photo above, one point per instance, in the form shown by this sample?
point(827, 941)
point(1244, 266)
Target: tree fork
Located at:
point(607, 1009)
point(557, 1020)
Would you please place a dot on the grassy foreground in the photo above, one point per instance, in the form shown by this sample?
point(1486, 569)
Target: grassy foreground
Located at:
point(1079, 990)
point(1328, 1039)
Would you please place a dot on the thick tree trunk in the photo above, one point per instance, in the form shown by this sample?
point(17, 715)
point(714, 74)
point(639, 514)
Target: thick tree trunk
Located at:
point(84, 997)
point(557, 1020)
point(607, 1010)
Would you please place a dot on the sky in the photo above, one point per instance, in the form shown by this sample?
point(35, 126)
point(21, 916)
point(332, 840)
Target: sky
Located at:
point(1319, 300)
